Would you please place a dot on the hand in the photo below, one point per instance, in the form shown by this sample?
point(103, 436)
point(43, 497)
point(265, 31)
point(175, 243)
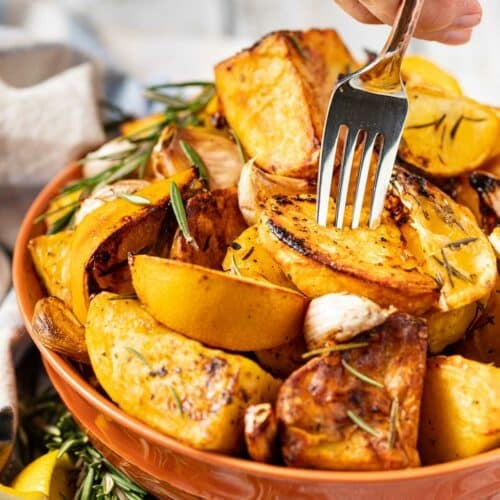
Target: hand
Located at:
point(446, 21)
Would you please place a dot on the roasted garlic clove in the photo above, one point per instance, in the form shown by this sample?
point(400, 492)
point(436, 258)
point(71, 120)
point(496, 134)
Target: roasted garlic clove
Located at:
point(339, 317)
point(261, 429)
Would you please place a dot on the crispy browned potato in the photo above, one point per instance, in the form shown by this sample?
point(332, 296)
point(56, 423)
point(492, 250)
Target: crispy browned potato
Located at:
point(321, 260)
point(261, 432)
point(482, 339)
point(447, 135)
point(446, 240)
point(176, 385)
point(275, 95)
point(218, 152)
point(56, 327)
point(281, 361)
point(333, 419)
point(102, 241)
point(214, 221)
point(50, 255)
point(246, 256)
point(460, 414)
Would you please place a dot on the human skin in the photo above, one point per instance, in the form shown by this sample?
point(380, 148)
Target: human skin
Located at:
point(445, 21)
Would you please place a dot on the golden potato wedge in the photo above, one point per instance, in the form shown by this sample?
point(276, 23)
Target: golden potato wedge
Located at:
point(50, 255)
point(214, 220)
point(445, 135)
point(195, 394)
point(333, 417)
point(252, 260)
point(275, 94)
point(216, 308)
point(482, 340)
point(256, 186)
point(321, 260)
point(446, 240)
point(103, 240)
point(448, 327)
point(281, 361)
point(218, 152)
point(56, 327)
point(460, 415)
point(417, 71)
point(61, 206)
point(261, 433)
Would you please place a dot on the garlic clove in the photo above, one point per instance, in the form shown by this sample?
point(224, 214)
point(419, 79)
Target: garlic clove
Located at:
point(106, 156)
point(339, 317)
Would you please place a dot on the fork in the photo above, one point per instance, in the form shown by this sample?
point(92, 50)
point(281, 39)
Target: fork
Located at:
point(369, 103)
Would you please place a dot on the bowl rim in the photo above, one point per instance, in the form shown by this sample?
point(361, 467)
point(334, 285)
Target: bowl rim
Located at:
point(69, 374)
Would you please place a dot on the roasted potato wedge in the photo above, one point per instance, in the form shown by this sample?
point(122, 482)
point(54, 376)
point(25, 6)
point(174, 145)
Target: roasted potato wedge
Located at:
point(324, 408)
point(417, 71)
point(61, 206)
point(256, 186)
point(195, 394)
point(275, 94)
point(460, 414)
point(482, 340)
point(50, 255)
point(281, 361)
point(103, 240)
point(252, 259)
point(56, 327)
point(322, 260)
point(214, 221)
point(448, 327)
point(446, 240)
point(446, 135)
point(261, 433)
point(218, 152)
point(216, 308)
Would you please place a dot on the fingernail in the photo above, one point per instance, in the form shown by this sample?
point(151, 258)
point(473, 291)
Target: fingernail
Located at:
point(468, 21)
point(456, 37)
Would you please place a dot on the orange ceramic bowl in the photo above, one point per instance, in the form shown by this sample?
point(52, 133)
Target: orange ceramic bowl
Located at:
point(169, 469)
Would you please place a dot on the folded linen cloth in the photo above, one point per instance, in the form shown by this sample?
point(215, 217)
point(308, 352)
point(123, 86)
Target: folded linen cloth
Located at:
point(49, 102)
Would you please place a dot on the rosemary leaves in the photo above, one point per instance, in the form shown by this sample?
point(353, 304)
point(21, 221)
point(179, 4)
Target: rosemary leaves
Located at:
point(180, 214)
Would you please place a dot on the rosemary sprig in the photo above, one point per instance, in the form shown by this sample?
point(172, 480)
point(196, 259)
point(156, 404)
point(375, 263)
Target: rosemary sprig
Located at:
point(454, 130)
point(448, 268)
point(140, 356)
point(234, 266)
point(195, 159)
point(360, 375)
point(126, 296)
point(135, 199)
point(180, 214)
point(63, 222)
point(239, 145)
point(176, 399)
point(362, 424)
point(457, 244)
point(334, 348)
point(452, 269)
point(393, 430)
point(55, 211)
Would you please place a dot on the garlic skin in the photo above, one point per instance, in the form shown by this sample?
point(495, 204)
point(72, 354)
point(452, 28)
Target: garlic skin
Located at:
point(261, 432)
point(107, 193)
point(339, 317)
point(93, 165)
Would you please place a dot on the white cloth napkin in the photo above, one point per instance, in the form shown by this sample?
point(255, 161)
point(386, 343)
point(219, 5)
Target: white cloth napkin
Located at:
point(49, 116)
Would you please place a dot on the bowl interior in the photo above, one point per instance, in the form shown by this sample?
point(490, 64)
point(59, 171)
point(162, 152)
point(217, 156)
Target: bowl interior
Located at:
point(29, 290)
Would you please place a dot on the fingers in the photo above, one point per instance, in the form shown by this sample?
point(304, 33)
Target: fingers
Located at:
point(358, 11)
point(446, 21)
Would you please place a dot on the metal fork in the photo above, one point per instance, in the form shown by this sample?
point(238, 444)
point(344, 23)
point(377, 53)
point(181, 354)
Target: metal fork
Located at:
point(369, 103)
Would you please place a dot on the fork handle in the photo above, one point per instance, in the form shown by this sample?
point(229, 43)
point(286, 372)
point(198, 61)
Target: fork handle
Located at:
point(402, 29)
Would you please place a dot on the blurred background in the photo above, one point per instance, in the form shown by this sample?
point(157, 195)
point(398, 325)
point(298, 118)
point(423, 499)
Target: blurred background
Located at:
point(158, 40)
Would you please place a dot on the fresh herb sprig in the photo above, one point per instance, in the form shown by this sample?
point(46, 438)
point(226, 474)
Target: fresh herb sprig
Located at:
point(334, 348)
point(180, 214)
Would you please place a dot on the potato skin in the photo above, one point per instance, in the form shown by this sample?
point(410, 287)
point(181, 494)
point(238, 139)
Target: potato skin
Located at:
point(321, 260)
point(261, 432)
point(56, 327)
point(275, 95)
point(213, 388)
point(460, 409)
point(214, 221)
point(313, 402)
point(50, 255)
